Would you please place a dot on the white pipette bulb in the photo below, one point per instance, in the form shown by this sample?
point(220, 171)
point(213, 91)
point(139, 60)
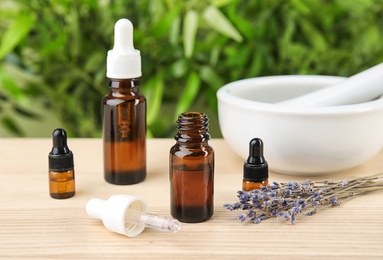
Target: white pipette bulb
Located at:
point(123, 37)
point(123, 61)
point(127, 215)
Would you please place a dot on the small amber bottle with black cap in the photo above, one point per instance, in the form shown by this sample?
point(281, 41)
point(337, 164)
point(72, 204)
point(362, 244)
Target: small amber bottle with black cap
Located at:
point(255, 169)
point(61, 167)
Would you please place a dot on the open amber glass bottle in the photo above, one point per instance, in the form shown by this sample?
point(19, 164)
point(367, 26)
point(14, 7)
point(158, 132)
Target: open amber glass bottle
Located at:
point(192, 170)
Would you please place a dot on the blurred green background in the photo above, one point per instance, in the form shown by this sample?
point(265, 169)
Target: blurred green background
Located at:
point(53, 54)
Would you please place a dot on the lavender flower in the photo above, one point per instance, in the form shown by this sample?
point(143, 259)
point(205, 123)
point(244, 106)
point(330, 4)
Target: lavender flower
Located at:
point(289, 200)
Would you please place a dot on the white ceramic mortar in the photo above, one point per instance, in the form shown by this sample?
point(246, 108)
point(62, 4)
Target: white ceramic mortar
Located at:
point(299, 140)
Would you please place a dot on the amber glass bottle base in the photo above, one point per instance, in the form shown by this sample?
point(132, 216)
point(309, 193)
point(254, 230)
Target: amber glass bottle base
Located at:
point(192, 214)
point(65, 195)
point(125, 178)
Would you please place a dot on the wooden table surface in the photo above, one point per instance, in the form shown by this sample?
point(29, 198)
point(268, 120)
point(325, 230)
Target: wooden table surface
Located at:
point(36, 226)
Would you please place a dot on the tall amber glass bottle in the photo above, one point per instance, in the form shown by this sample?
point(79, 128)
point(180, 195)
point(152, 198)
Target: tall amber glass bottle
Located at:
point(124, 132)
point(124, 112)
point(192, 170)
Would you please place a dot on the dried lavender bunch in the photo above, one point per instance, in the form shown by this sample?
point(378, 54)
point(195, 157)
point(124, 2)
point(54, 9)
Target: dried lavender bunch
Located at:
point(286, 201)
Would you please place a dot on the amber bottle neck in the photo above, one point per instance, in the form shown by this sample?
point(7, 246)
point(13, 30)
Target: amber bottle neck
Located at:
point(124, 83)
point(192, 128)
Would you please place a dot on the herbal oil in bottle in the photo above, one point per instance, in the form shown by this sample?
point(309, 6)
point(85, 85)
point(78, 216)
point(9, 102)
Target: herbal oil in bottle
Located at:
point(61, 167)
point(124, 112)
point(192, 170)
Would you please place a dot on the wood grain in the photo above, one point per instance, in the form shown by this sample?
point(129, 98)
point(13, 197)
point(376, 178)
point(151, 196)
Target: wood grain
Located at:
point(33, 225)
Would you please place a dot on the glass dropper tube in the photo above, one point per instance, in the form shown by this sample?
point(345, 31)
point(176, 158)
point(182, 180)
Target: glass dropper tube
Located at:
point(134, 217)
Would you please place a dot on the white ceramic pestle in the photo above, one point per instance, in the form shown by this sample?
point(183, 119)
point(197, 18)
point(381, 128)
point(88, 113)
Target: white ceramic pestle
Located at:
point(362, 87)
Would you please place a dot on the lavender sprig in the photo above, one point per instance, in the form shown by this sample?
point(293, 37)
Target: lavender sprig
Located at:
point(289, 200)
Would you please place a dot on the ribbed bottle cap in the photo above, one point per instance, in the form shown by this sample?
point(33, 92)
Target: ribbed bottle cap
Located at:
point(113, 213)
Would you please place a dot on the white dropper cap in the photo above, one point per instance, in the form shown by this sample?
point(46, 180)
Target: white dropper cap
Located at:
point(123, 61)
point(127, 215)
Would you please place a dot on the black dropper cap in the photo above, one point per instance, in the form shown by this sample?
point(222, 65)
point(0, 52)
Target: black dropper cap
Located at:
point(255, 168)
point(60, 158)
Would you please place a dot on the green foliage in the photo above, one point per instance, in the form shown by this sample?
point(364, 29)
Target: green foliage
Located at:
point(53, 52)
